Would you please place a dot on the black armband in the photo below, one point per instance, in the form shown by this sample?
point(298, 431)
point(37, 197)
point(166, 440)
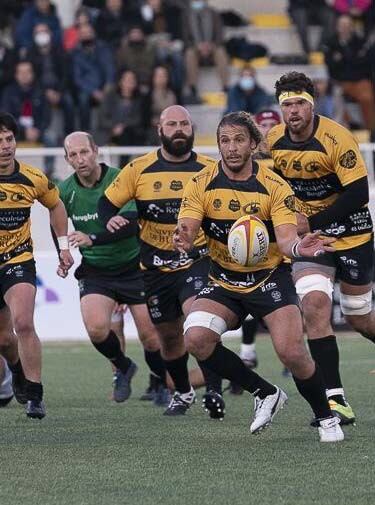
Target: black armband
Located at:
point(354, 196)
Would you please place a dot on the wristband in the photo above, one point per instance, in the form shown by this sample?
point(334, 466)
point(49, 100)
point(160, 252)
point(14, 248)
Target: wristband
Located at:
point(295, 253)
point(92, 237)
point(63, 242)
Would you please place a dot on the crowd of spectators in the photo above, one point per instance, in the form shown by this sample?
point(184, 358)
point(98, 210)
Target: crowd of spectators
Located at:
point(123, 61)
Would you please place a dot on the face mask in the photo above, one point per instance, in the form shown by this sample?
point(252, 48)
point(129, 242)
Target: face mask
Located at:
point(247, 83)
point(197, 4)
point(42, 39)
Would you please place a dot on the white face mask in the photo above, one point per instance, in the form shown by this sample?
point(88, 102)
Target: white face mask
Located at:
point(197, 4)
point(247, 83)
point(42, 39)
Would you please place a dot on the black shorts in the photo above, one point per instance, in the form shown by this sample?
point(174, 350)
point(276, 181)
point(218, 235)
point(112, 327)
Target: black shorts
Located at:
point(15, 273)
point(127, 287)
point(354, 266)
point(276, 292)
point(167, 291)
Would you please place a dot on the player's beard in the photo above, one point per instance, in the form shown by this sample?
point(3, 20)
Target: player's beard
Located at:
point(241, 163)
point(177, 148)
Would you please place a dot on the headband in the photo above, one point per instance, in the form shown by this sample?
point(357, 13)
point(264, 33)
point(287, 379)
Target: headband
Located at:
point(285, 95)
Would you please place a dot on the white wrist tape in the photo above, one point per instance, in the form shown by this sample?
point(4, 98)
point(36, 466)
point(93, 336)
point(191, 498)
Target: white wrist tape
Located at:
point(63, 242)
point(295, 253)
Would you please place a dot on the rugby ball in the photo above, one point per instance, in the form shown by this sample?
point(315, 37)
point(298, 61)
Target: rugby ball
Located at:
point(248, 241)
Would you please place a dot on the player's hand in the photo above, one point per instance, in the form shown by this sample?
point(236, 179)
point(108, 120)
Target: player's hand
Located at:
point(79, 239)
point(66, 262)
point(116, 222)
point(303, 226)
point(180, 238)
point(313, 244)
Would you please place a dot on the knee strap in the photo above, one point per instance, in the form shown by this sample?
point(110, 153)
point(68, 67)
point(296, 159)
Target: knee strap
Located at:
point(356, 305)
point(314, 282)
point(205, 320)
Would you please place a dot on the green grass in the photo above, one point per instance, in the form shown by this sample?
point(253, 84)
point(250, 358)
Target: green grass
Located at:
point(91, 451)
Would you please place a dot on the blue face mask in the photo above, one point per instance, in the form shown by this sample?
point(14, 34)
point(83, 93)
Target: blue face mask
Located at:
point(247, 83)
point(197, 4)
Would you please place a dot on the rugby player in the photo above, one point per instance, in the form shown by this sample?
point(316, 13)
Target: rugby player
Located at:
point(172, 279)
point(109, 272)
point(264, 120)
point(220, 194)
point(21, 185)
point(321, 161)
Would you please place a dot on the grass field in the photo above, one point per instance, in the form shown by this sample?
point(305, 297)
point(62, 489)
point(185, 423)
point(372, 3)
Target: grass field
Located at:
point(91, 451)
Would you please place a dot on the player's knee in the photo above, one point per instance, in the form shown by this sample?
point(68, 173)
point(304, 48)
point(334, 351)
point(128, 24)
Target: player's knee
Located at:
point(292, 355)
point(193, 341)
point(150, 340)
point(316, 308)
point(353, 306)
point(314, 289)
point(23, 326)
point(98, 331)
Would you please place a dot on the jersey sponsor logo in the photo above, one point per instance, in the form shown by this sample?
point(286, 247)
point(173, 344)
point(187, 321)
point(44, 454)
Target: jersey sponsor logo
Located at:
point(181, 261)
point(154, 210)
point(216, 231)
point(348, 159)
point(277, 181)
point(234, 205)
point(17, 197)
point(12, 219)
point(349, 261)
point(290, 202)
point(248, 282)
point(331, 137)
point(85, 217)
point(269, 286)
point(176, 185)
point(72, 196)
point(3, 196)
point(217, 203)
point(276, 296)
point(312, 167)
point(157, 185)
point(297, 165)
point(251, 208)
point(51, 185)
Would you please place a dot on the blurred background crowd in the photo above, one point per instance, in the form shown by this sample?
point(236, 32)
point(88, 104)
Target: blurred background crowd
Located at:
point(120, 62)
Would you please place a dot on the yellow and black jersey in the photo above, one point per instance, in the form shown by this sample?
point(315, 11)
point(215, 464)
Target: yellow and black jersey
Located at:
point(157, 186)
point(218, 201)
point(318, 171)
point(18, 191)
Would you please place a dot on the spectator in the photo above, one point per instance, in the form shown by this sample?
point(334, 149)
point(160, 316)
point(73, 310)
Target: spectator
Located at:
point(204, 45)
point(305, 13)
point(324, 103)
point(138, 54)
point(122, 111)
point(82, 17)
point(93, 72)
point(24, 99)
point(114, 21)
point(6, 29)
point(160, 97)
point(41, 11)
point(7, 65)
point(359, 10)
point(50, 64)
point(163, 24)
point(247, 95)
point(347, 56)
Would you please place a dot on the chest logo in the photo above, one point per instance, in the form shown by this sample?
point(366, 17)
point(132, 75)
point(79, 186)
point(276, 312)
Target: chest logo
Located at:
point(217, 203)
point(3, 196)
point(157, 185)
point(176, 185)
point(234, 205)
point(251, 208)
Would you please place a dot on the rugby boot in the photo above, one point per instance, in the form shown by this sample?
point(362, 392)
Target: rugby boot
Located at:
point(180, 403)
point(265, 409)
point(213, 403)
point(122, 383)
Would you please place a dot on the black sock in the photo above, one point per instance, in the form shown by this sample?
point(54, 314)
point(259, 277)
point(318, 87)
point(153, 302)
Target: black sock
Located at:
point(156, 365)
point(178, 370)
point(16, 368)
point(314, 392)
point(228, 365)
point(110, 348)
point(326, 354)
point(249, 330)
point(34, 390)
point(212, 380)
